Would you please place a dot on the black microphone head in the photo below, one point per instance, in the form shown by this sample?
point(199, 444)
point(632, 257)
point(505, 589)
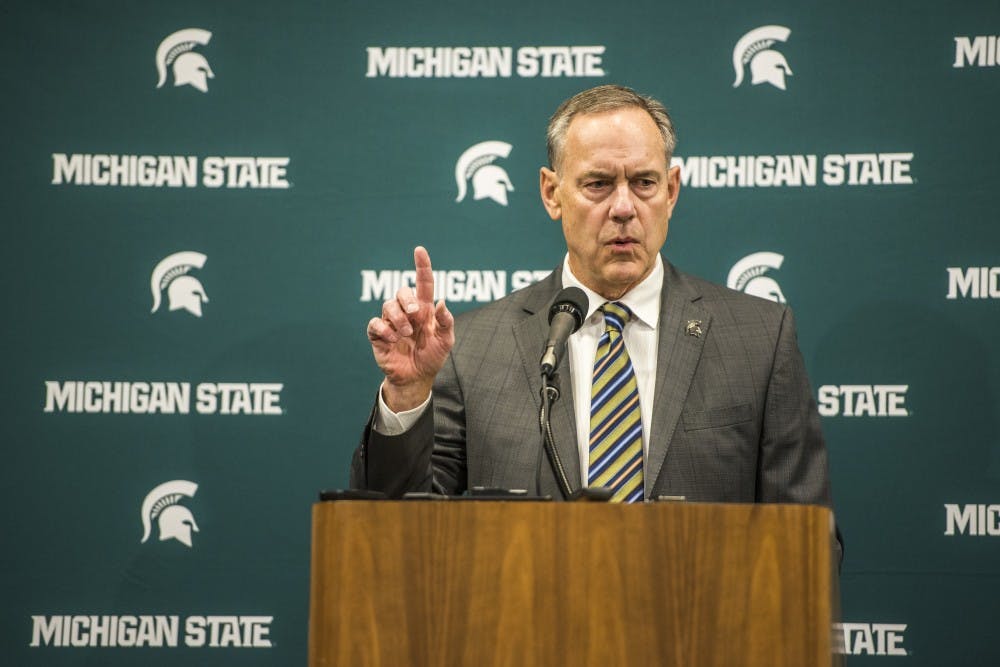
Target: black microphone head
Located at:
point(572, 300)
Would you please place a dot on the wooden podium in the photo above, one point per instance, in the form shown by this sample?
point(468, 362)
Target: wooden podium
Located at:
point(545, 583)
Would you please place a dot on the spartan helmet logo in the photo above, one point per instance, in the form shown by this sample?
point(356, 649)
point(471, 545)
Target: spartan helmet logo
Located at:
point(183, 291)
point(190, 68)
point(488, 180)
point(175, 521)
point(766, 65)
point(747, 275)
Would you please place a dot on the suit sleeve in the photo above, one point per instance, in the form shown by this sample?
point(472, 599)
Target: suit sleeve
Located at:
point(394, 464)
point(793, 465)
point(793, 462)
point(430, 456)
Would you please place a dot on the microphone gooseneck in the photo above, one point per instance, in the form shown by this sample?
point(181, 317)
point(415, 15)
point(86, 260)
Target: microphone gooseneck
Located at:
point(565, 317)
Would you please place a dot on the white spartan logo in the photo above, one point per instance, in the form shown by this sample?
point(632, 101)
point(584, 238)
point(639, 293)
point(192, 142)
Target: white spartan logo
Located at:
point(174, 521)
point(748, 275)
point(183, 291)
point(190, 68)
point(488, 180)
point(766, 64)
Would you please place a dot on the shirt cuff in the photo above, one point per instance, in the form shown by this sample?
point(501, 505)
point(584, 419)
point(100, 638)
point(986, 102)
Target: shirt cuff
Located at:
point(388, 422)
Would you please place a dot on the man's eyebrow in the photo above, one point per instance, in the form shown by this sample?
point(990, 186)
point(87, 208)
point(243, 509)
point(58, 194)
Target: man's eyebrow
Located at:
point(595, 173)
point(603, 174)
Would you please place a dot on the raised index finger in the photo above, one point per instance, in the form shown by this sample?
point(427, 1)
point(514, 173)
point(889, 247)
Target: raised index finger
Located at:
point(425, 276)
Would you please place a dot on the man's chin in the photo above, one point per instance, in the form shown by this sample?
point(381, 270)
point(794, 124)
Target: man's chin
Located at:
point(620, 278)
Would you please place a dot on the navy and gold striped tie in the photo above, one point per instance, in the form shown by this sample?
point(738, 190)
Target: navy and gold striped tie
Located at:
point(615, 421)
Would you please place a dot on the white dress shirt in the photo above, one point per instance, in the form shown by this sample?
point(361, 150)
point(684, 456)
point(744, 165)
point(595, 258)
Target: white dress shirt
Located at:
point(640, 341)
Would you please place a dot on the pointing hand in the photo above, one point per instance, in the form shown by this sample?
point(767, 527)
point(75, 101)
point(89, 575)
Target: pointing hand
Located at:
point(412, 339)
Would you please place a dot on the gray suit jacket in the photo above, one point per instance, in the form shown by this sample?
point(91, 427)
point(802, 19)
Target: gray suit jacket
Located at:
point(734, 419)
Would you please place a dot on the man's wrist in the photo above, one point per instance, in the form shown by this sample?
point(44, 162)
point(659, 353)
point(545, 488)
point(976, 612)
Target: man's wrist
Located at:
point(401, 398)
point(388, 422)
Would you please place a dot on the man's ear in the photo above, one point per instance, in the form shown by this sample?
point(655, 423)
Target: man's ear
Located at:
point(548, 186)
point(673, 184)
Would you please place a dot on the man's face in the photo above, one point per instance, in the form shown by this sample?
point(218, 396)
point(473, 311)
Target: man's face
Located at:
point(614, 193)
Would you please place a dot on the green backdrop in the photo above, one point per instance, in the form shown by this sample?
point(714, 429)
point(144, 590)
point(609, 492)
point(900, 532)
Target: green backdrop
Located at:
point(873, 176)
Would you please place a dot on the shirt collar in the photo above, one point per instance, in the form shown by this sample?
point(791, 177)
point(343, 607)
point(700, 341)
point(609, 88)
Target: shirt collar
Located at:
point(643, 299)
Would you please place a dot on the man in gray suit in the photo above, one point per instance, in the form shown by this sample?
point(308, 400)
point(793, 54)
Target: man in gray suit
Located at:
point(725, 410)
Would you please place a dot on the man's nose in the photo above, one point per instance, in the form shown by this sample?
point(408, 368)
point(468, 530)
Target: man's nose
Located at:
point(622, 206)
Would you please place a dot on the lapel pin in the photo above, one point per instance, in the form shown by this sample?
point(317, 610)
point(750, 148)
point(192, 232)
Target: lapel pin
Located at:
point(693, 328)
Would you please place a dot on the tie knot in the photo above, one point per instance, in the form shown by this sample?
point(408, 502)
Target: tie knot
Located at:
point(615, 316)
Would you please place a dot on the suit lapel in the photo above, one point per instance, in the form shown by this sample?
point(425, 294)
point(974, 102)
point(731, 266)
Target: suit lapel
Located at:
point(679, 351)
point(529, 335)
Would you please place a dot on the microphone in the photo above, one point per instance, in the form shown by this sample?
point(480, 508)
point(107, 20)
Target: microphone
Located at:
point(565, 317)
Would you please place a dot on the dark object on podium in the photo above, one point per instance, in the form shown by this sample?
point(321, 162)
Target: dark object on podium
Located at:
point(477, 493)
point(588, 583)
point(351, 494)
point(599, 494)
point(424, 495)
point(486, 493)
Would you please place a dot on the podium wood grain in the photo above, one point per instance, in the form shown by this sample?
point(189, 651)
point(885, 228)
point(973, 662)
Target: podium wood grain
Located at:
point(526, 583)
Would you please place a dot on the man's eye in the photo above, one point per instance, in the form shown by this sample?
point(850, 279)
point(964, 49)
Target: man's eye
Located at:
point(645, 183)
point(596, 185)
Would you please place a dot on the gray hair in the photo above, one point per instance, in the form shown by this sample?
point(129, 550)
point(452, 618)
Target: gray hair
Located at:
point(606, 98)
